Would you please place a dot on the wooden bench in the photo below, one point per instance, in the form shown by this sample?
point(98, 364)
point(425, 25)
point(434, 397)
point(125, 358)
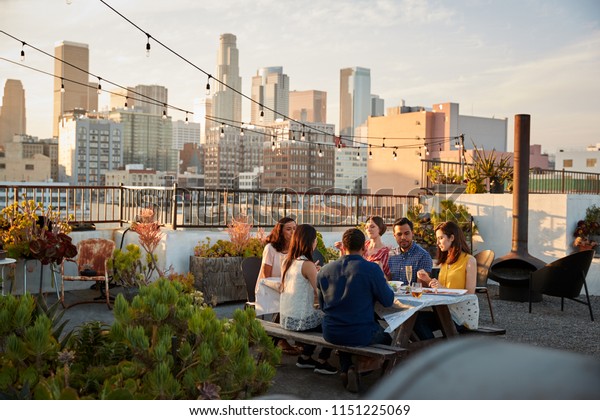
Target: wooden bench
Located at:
point(375, 356)
point(486, 331)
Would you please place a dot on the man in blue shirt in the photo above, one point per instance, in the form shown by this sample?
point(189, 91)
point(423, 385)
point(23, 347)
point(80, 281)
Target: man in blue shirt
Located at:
point(348, 290)
point(408, 253)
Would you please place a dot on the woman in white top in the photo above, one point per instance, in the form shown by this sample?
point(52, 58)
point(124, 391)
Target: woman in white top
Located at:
point(276, 249)
point(298, 295)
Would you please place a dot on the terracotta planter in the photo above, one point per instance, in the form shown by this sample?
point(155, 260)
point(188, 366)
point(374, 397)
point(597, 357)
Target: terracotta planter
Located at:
point(220, 279)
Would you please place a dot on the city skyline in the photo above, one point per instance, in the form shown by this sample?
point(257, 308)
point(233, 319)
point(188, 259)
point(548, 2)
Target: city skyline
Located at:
point(494, 59)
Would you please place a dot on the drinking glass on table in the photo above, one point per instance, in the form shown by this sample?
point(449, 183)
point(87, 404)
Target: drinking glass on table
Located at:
point(408, 270)
point(416, 289)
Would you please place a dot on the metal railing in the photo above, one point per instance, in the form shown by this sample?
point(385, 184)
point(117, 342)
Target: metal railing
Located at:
point(541, 181)
point(208, 208)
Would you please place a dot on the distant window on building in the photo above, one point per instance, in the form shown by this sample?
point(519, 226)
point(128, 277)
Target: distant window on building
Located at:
point(591, 163)
point(568, 163)
point(29, 167)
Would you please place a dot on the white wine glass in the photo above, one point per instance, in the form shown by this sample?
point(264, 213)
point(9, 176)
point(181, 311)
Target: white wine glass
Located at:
point(409, 274)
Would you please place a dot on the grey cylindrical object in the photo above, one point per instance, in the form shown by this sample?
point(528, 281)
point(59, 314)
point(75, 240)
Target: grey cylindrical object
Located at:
point(520, 211)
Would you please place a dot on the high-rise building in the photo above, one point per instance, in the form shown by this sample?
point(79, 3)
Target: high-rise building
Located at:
point(147, 139)
point(72, 88)
point(271, 89)
point(227, 103)
point(296, 164)
point(150, 99)
point(12, 112)
point(185, 132)
point(308, 106)
point(377, 106)
point(202, 108)
point(88, 149)
point(355, 99)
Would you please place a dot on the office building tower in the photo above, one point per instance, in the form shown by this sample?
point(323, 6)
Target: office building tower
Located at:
point(308, 106)
point(147, 139)
point(88, 149)
point(377, 106)
point(149, 99)
point(355, 99)
point(71, 69)
point(202, 108)
point(227, 102)
point(12, 112)
point(185, 132)
point(299, 165)
point(271, 89)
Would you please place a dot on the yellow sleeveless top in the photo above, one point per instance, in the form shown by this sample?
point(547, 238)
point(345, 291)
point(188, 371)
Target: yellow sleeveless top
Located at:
point(454, 276)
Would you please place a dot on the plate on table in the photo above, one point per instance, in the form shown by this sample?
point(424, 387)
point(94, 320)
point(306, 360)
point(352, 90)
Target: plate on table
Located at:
point(397, 287)
point(442, 291)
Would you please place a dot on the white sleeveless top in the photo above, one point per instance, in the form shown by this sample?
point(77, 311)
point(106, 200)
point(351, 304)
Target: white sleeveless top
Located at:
point(296, 309)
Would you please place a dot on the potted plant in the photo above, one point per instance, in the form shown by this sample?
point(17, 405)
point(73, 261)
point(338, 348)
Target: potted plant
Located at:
point(495, 169)
point(217, 267)
point(587, 231)
point(449, 182)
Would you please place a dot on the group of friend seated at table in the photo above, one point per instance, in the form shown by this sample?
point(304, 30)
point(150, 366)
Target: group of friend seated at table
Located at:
point(348, 288)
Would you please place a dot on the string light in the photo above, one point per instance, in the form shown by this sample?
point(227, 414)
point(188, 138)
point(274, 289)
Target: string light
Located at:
point(242, 132)
point(395, 154)
point(303, 137)
point(23, 52)
point(148, 45)
point(208, 85)
point(262, 115)
point(383, 143)
point(222, 130)
point(339, 147)
point(62, 85)
point(370, 153)
point(126, 98)
point(357, 155)
point(187, 121)
point(320, 153)
point(99, 86)
point(164, 116)
point(273, 146)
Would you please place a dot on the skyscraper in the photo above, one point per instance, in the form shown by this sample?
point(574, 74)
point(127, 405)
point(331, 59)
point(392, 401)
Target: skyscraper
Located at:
point(150, 99)
point(12, 113)
point(72, 72)
point(308, 106)
point(271, 88)
point(355, 99)
point(227, 104)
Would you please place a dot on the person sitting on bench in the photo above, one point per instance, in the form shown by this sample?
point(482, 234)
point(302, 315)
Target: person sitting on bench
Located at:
point(348, 289)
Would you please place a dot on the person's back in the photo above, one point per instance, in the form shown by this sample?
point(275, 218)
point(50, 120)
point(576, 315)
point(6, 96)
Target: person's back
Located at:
point(348, 289)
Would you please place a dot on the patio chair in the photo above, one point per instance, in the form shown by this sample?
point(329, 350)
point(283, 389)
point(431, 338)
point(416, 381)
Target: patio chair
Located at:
point(250, 271)
point(484, 262)
point(91, 260)
point(563, 278)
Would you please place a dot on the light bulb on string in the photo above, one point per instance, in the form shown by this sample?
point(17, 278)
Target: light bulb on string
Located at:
point(320, 153)
point(222, 130)
point(395, 154)
point(23, 52)
point(358, 155)
point(262, 115)
point(164, 116)
point(339, 147)
point(126, 98)
point(383, 143)
point(303, 137)
point(208, 85)
point(242, 132)
point(187, 120)
point(62, 85)
point(148, 46)
point(273, 146)
point(370, 153)
point(99, 86)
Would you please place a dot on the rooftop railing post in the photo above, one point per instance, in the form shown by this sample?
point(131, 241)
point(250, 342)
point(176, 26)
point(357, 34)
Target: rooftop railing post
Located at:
point(174, 208)
point(121, 209)
point(563, 181)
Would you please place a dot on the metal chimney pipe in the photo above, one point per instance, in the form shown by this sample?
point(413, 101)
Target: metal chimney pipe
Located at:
point(520, 211)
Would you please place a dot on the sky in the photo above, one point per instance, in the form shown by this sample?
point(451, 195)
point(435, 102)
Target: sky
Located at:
point(494, 58)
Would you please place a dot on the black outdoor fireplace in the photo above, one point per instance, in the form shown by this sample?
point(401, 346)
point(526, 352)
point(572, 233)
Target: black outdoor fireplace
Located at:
point(513, 269)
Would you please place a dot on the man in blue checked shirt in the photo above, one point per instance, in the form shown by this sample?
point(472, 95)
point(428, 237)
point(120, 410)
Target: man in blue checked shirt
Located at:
point(408, 253)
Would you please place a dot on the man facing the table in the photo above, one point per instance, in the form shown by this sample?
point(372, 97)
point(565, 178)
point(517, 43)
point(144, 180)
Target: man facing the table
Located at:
point(408, 253)
point(348, 290)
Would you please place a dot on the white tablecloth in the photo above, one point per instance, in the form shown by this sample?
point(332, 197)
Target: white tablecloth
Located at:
point(267, 296)
point(464, 309)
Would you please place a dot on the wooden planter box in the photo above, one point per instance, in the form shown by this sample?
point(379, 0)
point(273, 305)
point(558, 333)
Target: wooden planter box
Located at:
point(220, 279)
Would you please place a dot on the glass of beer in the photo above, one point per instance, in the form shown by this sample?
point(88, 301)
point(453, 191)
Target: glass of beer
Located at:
point(416, 289)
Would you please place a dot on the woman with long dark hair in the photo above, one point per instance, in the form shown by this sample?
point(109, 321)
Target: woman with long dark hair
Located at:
point(458, 268)
point(298, 296)
point(276, 249)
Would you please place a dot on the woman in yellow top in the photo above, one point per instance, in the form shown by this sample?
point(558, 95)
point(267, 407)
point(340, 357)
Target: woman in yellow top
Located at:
point(458, 268)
